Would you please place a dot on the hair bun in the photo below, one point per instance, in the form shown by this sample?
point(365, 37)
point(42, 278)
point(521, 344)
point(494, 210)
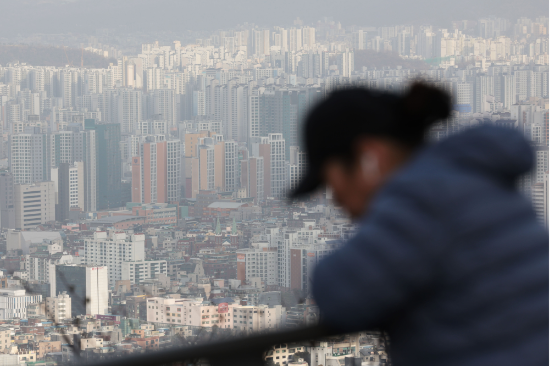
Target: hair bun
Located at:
point(425, 104)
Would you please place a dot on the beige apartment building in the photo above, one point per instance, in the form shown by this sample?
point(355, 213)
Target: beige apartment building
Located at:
point(195, 313)
point(59, 307)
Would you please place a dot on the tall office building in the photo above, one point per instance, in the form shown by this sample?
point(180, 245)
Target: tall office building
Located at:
point(112, 249)
point(87, 287)
point(109, 164)
point(34, 204)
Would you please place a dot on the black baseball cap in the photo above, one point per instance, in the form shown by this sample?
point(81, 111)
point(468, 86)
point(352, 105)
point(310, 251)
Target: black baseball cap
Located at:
point(334, 125)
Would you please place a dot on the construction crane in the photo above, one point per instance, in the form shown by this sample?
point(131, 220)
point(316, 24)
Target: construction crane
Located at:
point(68, 61)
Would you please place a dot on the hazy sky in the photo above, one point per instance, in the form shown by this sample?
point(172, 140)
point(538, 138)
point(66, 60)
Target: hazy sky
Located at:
point(51, 16)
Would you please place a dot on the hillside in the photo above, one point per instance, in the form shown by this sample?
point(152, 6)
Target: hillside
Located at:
point(379, 60)
point(50, 56)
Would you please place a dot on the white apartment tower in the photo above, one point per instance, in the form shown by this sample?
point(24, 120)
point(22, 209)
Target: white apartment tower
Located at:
point(173, 166)
point(112, 249)
point(277, 159)
point(30, 157)
point(129, 109)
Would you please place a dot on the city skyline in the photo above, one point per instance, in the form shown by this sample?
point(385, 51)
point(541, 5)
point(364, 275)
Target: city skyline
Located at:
point(145, 203)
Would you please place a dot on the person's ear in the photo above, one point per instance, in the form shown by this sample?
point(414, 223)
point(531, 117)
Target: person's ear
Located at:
point(370, 165)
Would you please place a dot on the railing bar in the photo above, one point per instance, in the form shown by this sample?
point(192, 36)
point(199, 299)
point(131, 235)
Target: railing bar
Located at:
point(220, 349)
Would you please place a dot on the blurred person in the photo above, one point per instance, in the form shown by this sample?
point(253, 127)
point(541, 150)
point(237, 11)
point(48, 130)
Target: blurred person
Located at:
point(449, 258)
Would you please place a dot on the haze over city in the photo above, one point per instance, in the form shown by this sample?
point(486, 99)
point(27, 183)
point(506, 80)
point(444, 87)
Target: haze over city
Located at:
point(148, 150)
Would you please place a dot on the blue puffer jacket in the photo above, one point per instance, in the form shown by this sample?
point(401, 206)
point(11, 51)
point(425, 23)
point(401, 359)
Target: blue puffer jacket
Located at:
point(449, 259)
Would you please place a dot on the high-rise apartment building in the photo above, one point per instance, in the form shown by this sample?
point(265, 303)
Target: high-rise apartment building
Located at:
point(85, 151)
point(156, 171)
point(129, 108)
point(296, 167)
point(346, 63)
point(285, 241)
point(262, 148)
point(277, 161)
point(34, 204)
point(225, 165)
point(69, 189)
point(252, 177)
point(112, 249)
point(204, 167)
point(30, 157)
point(149, 173)
point(164, 105)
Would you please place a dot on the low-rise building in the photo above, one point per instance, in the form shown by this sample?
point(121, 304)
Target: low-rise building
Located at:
point(45, 347)
point(258, 261)
point(224, 315)
point(137, 271)
point(59, 308)
point(14, 302)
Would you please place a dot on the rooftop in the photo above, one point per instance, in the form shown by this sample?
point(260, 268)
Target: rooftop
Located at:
point(221, 204)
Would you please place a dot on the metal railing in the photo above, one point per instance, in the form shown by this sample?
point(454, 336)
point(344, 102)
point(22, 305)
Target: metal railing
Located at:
point(245, 351)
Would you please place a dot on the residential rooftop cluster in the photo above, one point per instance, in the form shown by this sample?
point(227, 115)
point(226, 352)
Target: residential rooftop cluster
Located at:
point(143, 206)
